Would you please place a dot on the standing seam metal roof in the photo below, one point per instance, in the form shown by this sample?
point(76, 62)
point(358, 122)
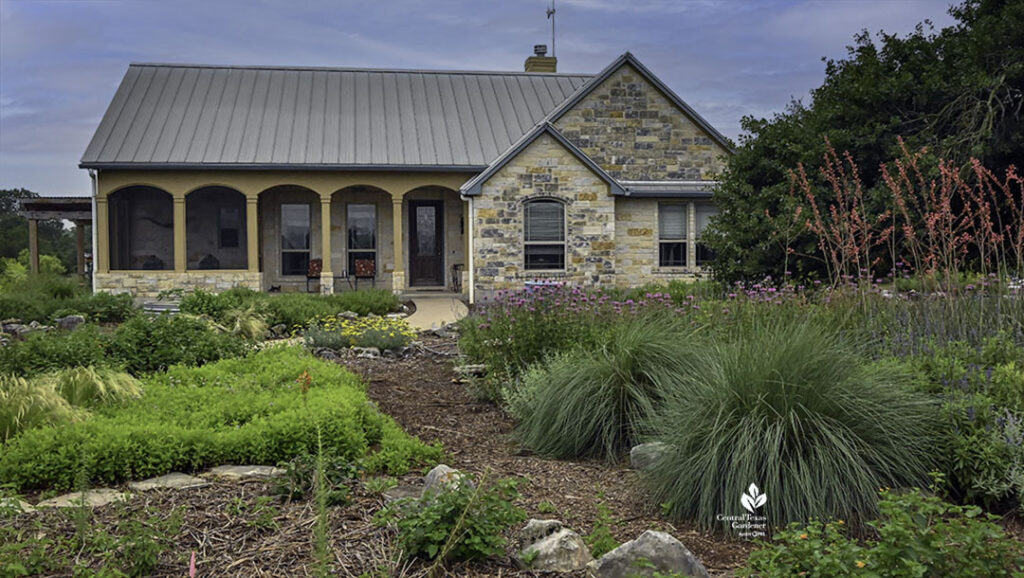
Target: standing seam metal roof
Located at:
point(177, 115)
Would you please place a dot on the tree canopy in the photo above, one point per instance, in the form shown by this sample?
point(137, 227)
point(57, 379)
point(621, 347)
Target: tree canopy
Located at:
point(958, 91)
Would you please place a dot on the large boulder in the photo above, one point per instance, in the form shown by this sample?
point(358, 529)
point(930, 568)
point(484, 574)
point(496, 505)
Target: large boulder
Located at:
point(550, 547)
point(645, 456)
point(651, 552)
point(442, 477)
point(69, 322)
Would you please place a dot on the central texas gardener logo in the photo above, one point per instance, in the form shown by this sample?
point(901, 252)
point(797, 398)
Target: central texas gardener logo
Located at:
point(753, 498)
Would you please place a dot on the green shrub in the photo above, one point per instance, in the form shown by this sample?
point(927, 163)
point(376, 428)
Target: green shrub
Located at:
point(54, 350)
point(145, 344)
point(917, 535)
point(459, 523)
point(43, 298)
point(295, 310)
point(380, 332)
point(247, 410)
point(595, 402)
point(797, 411)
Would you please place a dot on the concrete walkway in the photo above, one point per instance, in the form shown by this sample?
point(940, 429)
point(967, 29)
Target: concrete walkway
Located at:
point(436, 311)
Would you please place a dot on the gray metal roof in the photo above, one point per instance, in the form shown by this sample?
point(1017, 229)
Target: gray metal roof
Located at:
point(175, 115)
point(670, 189)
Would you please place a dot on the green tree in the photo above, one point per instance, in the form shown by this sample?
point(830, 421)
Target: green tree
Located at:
point(959, 92)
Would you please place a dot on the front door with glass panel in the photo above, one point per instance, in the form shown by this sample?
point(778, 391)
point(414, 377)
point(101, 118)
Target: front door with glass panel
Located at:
point(426, 243)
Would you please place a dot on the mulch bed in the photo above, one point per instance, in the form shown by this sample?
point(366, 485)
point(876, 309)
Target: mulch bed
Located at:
point(420, 393)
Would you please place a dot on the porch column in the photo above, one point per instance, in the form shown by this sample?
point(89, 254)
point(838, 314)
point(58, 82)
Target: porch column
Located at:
point(691, 236)
point(326, 275)
point(33, 246)
point(101, 252)
point(398, 275)
point(80, 246)
point(179, 234)
point(252, 234)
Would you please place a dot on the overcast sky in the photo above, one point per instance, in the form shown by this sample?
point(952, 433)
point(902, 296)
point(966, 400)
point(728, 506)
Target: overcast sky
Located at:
point(61, 61)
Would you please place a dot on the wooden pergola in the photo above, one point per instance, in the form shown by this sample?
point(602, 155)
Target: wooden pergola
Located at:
point(75, 209)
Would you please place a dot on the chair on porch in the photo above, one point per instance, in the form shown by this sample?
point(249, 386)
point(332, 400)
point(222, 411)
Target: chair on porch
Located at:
point(315, 267)
point(366, 269)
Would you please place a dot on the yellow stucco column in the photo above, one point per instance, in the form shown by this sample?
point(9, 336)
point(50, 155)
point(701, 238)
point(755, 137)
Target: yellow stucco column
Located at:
point(326, 275)
point(179, 234)
point(398, 275)
point(101, 252)
point(252, 234)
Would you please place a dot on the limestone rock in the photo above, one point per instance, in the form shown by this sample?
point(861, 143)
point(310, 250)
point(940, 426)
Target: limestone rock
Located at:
point(327, 354)
point(348, 315)
point(401, 493)
point(93, 498)
point(475, 370)
point(172, 481)
point(278, 331)
point(15, 506)
point(645, 456)
point(651, 552)
point(70, 322)
point(245, 472)
point(548, 546)
point(365, 352)
point(442, 477)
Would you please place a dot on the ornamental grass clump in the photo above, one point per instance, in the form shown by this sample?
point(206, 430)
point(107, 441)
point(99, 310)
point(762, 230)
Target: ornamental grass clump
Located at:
point(594, 402)
point(796, 410)
point(25, 404)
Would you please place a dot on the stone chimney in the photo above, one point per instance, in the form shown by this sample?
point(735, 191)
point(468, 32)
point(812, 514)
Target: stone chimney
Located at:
point(540, 62)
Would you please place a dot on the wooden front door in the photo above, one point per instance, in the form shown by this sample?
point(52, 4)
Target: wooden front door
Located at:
point(426, 243)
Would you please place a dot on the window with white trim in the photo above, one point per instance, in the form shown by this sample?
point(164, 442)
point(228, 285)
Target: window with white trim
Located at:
point(704, 213)
point(544, 235)
point(672, 222)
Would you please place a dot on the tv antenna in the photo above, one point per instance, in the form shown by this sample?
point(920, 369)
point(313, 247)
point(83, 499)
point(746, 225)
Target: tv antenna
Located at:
point(551, 16)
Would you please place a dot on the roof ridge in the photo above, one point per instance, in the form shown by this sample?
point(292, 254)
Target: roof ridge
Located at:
point(354, 69)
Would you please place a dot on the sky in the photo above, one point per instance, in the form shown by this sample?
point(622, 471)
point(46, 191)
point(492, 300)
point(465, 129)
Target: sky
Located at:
point(61, 61)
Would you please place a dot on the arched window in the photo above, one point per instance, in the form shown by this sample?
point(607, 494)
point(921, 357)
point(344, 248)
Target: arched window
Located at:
point(544, 235)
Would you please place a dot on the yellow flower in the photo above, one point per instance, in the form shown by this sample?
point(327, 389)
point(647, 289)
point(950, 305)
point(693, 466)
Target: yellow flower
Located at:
point(860, 564)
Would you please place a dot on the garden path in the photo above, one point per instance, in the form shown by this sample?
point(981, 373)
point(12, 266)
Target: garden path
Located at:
point(436, 311)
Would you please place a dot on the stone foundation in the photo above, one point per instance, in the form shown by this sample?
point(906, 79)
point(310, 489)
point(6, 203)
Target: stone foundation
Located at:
point(151, 283)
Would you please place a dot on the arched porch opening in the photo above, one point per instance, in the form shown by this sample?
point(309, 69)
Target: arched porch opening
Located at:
point(216, 233)
point(141, 229)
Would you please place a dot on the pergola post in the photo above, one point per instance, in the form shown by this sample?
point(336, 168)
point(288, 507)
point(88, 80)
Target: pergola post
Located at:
point(326, 275)
point(33, 246)
point(398, 275)
point(252, 232)
point(80, 246)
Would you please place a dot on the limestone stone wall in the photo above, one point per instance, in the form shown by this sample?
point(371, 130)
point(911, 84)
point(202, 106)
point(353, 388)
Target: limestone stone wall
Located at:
point(544, 170)
point(150, 283)
point(636, 249)
point(629, 128)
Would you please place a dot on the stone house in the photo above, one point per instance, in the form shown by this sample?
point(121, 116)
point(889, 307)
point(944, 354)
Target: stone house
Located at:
point(328, 179)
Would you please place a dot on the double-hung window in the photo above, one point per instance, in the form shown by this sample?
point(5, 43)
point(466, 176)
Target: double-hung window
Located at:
point(672, 221)
point(544, 235)
point(362, 235)
point(704, 213)
point(295, 230)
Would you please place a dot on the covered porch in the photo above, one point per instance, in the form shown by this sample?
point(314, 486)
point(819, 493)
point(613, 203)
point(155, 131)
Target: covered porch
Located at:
point(287, 231)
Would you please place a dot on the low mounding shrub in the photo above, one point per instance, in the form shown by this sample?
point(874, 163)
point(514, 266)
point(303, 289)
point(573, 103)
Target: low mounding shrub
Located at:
point(463, 522)
point(379, 332)
point(295, 310)
point(54, 350)
point(797, 411)
point(594, 402)
point(43, 298)
point(145, 344)
point(917, 535)
point(248, 410)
